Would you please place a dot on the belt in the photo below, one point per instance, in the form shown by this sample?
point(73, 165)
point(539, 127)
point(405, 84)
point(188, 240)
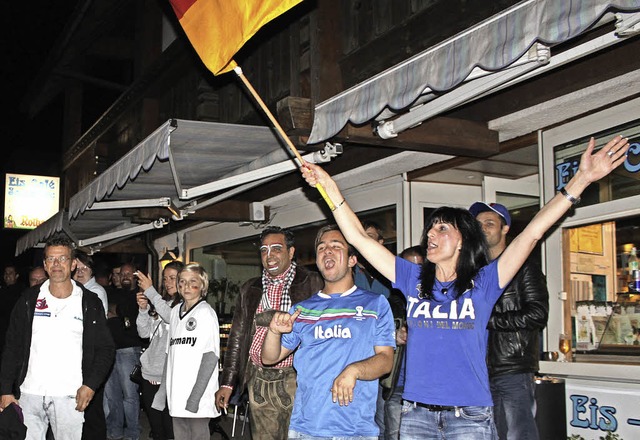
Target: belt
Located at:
point(435, 407)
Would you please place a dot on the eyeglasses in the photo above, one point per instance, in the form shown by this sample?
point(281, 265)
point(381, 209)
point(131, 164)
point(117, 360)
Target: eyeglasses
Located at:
point(61, 259)
point(82, 269)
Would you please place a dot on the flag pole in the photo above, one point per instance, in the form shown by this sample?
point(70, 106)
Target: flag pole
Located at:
point(238, 70)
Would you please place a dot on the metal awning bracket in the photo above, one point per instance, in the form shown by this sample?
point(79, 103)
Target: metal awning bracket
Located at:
point(627, 24)
point(268, 171)
point(100, 239)
point(328, 152)
point(178, 214)
point(161, 202)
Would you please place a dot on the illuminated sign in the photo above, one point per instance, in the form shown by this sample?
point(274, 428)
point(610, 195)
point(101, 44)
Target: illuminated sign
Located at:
point(30, 200)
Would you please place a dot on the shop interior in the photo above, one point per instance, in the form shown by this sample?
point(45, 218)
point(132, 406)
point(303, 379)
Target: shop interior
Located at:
point(603, 300)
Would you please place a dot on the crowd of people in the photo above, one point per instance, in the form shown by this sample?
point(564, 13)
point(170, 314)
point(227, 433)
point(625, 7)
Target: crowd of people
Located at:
point(441, 341)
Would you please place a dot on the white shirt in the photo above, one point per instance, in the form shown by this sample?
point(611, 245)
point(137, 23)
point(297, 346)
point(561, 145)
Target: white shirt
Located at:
point(96, 288)
point(190, 337)
point(55, 359)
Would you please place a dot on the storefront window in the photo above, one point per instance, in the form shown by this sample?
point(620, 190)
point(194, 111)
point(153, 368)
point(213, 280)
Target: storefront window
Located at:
point(603, 299)
point(623, 182)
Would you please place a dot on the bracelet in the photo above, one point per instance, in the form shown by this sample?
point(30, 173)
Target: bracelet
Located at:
point(569, 197)
point(229, 387)
point(339, 204)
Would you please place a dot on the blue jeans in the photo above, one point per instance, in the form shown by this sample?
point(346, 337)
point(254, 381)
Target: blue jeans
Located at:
point(392, 413)
point(302, 436)
point(514, 406)
point(121, 398)
point(467, 423)
point(380, 418)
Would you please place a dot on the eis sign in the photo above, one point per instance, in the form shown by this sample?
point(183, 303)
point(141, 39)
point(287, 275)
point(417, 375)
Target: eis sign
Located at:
point(30, 200)
point(566, 169)
point(596, 413)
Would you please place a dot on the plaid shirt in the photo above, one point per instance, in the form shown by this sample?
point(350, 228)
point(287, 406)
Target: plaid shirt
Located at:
point(273, 290)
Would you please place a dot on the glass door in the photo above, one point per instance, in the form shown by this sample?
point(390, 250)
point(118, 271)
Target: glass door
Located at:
point(521, 197)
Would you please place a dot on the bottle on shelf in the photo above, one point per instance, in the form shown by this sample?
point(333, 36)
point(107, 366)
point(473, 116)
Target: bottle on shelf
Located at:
point(634, 272)
point(633, 260)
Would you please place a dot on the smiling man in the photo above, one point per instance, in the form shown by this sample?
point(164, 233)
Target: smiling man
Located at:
point(271, 389)
point(344, 339)
point(59, 350)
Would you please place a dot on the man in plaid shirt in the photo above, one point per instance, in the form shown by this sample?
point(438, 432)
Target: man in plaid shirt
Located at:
point(271, 389)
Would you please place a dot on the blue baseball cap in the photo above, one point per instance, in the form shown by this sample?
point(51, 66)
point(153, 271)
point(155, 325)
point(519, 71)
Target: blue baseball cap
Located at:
point(499, 209)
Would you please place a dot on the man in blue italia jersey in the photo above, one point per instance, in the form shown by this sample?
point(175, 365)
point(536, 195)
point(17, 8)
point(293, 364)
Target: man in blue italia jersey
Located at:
point(344, 338)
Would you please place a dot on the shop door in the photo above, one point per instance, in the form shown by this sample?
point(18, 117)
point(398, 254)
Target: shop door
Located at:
point(521, 197)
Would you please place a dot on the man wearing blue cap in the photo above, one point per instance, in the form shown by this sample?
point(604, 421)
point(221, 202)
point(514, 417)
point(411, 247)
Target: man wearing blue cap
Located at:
point(514, 331)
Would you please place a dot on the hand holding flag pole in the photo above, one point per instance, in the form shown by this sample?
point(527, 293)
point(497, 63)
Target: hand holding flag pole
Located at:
point(217, 29)
point(238, 71)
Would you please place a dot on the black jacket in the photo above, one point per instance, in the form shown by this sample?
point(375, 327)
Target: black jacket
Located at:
point(98, 349)
point(516, 321)
point(236, 357)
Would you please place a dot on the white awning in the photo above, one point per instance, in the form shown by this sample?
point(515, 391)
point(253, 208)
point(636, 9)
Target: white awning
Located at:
point(490, 46)
point(182, 166)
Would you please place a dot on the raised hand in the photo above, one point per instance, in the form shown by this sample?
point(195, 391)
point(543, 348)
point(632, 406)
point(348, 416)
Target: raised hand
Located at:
point(144, 282)
point(282, 322)
point(595, 166)
point(314, 174)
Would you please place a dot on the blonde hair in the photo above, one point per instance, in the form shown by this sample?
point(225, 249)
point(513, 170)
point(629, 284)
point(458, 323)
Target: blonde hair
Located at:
point(202, 274)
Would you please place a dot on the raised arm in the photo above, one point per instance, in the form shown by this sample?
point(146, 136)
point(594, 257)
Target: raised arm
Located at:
point(272, 349)
point(163, 309)
point(593, 167)
point(375, 253)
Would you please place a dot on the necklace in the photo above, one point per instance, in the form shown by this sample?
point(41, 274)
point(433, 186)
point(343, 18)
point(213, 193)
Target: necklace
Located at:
point(444, 288)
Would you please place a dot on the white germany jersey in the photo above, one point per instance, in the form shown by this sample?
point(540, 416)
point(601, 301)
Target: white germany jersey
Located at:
point(190, 337)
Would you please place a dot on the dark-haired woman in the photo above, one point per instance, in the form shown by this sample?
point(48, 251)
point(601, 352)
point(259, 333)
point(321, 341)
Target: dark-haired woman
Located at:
point(154, 324)
point(450, 297)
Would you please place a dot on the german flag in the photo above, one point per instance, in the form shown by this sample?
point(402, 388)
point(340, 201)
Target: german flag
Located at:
point(217, 29)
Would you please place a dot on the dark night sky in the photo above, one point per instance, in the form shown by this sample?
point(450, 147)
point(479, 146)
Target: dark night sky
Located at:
point(30, 146)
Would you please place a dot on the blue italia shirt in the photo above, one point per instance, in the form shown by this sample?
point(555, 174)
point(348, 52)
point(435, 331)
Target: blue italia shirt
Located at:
point(332, 332)
point(447, 339)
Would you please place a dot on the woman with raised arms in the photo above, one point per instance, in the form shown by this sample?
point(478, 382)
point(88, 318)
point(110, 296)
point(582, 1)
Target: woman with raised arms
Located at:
point(450, 298)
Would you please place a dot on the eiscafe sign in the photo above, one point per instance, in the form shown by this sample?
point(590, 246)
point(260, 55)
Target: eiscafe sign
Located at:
point(30, 200)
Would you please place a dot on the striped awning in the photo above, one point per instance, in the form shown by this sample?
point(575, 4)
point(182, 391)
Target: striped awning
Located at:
point(491, 45)
point(182, 166)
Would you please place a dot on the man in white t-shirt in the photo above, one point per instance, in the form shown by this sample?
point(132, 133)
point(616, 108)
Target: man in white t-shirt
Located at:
point(58, 350)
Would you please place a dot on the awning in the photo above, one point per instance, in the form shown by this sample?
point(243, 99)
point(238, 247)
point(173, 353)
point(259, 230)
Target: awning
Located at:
point(182, 166)
point(491, 46)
